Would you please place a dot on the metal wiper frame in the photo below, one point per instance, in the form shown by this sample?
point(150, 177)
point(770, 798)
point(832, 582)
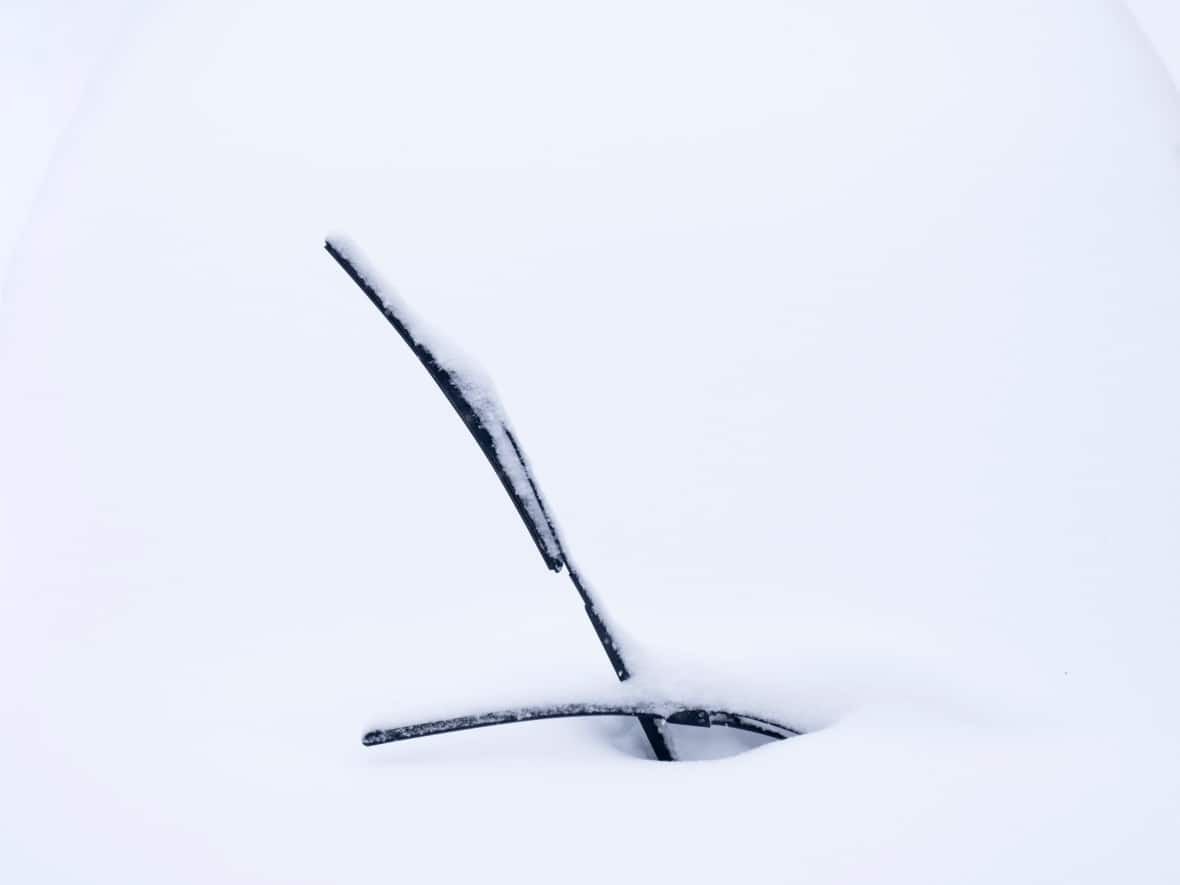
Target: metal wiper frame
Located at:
point(673, 714)
point(511, 467)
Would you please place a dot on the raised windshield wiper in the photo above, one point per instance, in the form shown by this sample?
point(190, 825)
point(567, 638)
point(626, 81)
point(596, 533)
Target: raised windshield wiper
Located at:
point(477, 406)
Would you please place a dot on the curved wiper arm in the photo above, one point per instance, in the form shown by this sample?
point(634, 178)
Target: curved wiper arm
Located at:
point(674, 714)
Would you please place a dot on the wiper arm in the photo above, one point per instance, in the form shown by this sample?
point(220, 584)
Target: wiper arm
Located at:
point(674, 714)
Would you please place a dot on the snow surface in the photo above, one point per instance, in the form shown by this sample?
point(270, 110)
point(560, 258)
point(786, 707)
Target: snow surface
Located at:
point(842, 333)
point(1159, 24)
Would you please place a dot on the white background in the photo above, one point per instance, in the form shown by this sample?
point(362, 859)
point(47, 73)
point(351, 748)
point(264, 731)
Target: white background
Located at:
point(842, 338)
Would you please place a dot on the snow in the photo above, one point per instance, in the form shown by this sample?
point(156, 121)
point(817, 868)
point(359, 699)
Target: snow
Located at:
point(842, 334)
point(1158, 22)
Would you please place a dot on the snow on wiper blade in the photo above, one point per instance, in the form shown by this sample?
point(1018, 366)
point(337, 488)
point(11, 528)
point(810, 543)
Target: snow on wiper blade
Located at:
point(471, 397)
point(675, 714)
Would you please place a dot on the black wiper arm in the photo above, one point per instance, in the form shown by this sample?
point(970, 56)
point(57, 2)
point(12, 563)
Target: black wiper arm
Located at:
point(675, 714)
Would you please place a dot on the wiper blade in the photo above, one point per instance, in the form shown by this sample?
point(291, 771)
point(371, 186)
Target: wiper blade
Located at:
point(675, 714)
